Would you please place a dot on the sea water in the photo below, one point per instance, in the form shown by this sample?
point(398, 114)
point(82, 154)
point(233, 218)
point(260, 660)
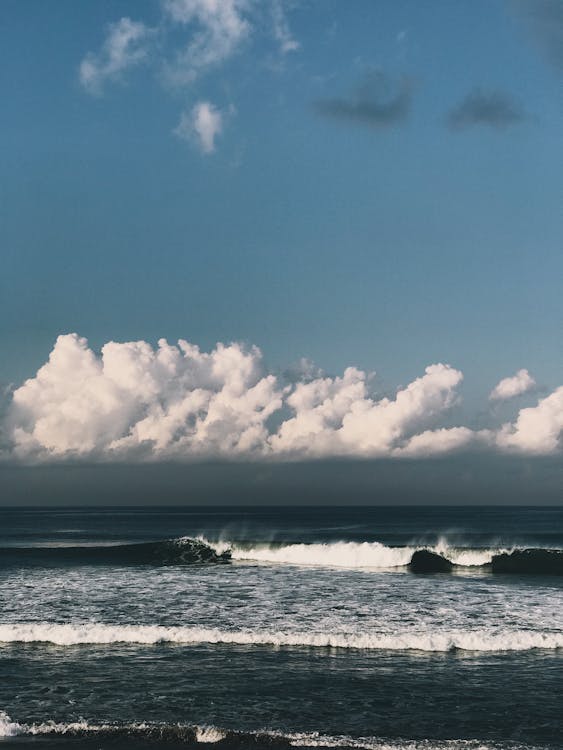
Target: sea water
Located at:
point(301, 627)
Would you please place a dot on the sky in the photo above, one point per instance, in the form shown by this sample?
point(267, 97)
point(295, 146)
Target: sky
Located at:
point(350, 210)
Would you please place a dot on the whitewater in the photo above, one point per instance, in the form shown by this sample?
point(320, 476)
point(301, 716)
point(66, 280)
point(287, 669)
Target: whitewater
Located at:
point(72, 634)
point(351, 555)
point(211, 735)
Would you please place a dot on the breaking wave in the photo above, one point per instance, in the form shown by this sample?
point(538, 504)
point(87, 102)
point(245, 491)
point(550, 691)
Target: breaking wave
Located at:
point(351, 554)
point(345, 555)
point(227, 738)
point(72, 634)
point(374, 555)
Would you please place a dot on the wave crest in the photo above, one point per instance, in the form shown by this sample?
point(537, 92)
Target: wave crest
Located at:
point(196, 735)
point(72, 634)
point(345, 555)
point(350, 555)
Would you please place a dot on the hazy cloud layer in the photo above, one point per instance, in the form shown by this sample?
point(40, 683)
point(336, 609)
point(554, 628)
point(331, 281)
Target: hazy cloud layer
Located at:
point(213, 32)
point(378, 102)
point(138, 403)
point(210, 33)
point(216, 31)
point(126, 45)
point(282, 32)
point(494, 109)
point(544, 19)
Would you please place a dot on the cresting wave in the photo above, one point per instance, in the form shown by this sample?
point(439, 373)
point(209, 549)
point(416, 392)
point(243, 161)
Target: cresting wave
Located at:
point(345, 555)
point(181, 551)
point(349, 554)
point(227, 738)
point(72, 634)
point(377, 556)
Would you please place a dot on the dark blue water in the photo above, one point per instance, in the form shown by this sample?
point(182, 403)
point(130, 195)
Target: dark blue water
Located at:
point(314, 633)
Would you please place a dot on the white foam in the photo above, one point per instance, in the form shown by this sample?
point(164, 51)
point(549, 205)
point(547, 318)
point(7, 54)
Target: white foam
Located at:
point(210, 734)
point(54, 727)
point(8, 728)
point(335, 554)
point(466, 556)
point(351, 555)
point(71, 634)
point(373, 743)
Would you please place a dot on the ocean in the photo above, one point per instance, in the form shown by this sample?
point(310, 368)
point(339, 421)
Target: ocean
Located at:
point(245, 627)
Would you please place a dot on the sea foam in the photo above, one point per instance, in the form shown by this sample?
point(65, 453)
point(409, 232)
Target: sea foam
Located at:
point(350, 555)
point(72, 634)
point(212, 735)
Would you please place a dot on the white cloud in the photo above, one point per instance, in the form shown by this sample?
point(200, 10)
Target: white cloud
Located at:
point(520, 383)
point(537, 429)
point(194, 37)
point(219, 28)
point(136, 402)
point(336, 416)
point(125, 46)
point(438, 442)
point(201, 125)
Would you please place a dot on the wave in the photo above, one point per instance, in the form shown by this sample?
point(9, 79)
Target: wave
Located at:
point(350, 555)
point(345, 555)
point(374, 555)
point(181, 551)
point(535, 561)
point(73, 634)
point(190, 735)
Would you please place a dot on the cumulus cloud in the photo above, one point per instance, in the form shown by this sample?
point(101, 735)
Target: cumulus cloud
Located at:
point(441, 441)
point(135, 402)
point(336, 416)
point(494, 109)
point(516, 385)
point(201, 125)
point(537, 429)
point(544, 19)
point(378, 102)
point(126, 45)
point(132, 402)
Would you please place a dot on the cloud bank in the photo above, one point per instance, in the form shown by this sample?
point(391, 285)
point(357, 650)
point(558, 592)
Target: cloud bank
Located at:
point(135, 402)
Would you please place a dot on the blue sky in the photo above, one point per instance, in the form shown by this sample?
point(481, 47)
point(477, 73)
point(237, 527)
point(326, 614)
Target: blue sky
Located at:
point(387, 240)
